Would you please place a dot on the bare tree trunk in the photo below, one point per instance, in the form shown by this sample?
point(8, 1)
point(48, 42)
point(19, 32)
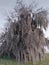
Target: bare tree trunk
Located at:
point(25, 57)
point(33, 57)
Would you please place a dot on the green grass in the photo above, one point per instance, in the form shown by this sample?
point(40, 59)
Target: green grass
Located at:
point(4, 61)
point(44, 62)
point(9, 61)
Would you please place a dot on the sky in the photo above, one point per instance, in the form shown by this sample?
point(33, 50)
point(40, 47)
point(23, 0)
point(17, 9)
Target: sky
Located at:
point(7, 6)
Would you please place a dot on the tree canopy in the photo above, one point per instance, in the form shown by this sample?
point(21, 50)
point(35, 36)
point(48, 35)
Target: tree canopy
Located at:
point(22, 37)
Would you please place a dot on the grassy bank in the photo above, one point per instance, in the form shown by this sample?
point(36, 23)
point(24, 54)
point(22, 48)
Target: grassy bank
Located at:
point(7, 61)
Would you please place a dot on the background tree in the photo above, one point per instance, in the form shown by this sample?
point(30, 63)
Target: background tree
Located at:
point(23, 39)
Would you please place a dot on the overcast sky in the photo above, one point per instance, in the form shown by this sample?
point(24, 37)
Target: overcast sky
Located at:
point(7, 6)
